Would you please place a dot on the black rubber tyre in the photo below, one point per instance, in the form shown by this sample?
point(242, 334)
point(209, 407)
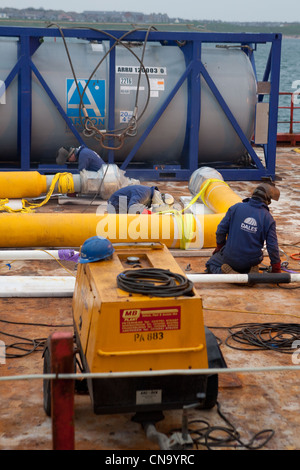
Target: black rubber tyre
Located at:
point(47, 382)
point(212, 389)
point(215, 360)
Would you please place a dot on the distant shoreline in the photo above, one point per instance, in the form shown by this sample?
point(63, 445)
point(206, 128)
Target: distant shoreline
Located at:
point(209, 27)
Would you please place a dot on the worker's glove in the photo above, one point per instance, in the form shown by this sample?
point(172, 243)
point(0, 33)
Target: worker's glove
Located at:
point(218, 248)
point(276, 267)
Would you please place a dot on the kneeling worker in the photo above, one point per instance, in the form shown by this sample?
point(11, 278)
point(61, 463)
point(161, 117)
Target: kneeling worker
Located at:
point(136, 198)
point(87, 159)
point(242, 233)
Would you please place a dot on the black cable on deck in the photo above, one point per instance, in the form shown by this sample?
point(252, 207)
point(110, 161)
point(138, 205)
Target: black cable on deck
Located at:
point(155, 282)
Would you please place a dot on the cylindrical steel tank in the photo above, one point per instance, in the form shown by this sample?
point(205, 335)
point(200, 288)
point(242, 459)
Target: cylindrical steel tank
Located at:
point(230, 69)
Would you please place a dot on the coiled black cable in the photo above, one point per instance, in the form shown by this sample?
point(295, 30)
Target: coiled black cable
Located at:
point(211, 437)
point(155, 282)
point(267, 336)
point(26, 345)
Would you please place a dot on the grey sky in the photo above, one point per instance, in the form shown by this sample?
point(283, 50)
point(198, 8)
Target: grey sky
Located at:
point(224, 10)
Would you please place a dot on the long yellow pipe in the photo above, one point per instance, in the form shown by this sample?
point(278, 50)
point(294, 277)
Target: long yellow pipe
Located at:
point(69, 230)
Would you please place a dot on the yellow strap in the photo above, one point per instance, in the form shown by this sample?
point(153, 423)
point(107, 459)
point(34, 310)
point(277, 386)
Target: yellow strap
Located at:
point(65, 185)
point(195, 198)
point(202, 191)
point(186, 225)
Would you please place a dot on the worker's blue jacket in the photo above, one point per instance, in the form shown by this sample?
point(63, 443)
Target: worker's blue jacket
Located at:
point(128, 196)
point(88, 159)
point(243, 231)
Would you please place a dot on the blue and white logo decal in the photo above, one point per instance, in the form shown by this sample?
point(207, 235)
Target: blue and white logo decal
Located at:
point(249, 225)
point(93, 100)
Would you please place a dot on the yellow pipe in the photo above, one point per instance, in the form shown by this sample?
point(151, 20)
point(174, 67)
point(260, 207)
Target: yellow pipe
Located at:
point(218, 196)
point(19, 184)
point(71, 230)
point(62, 230)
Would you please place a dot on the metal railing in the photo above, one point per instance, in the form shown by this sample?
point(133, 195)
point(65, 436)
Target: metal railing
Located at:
point(294, 99)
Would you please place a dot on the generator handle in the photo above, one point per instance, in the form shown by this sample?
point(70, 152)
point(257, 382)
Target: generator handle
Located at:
point(100, 352)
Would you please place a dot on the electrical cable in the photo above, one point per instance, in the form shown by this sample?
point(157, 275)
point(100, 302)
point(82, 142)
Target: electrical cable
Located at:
point(66, 269)
point(27, 345)
point(277, 337)
point(249, 312)
point(48, 325)
point(284, 267)
point(212, 437)
point(50, 254)
point(287, 288)
point(155, 282)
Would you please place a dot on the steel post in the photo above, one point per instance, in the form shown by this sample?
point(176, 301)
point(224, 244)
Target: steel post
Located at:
point(62, 391)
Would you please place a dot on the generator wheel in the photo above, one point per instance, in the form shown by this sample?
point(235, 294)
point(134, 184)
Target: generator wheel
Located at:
point(211, 392)
point(47, 382)
point(215, 360)
point(79, 385)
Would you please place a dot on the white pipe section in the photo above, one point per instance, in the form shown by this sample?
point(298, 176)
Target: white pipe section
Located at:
point(63, 286)
point(27, 254)
point(15, 204)
point(236, 278)
point(217, 278)
point(37, 286)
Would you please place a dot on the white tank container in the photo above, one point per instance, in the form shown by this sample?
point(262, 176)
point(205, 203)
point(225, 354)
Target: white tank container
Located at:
point(230, 69)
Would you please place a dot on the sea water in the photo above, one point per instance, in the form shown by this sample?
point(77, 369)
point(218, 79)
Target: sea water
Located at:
point(290, 82)
point(289, 79)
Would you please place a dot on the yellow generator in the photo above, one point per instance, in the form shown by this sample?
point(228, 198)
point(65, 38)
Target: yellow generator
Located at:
point(138, 318)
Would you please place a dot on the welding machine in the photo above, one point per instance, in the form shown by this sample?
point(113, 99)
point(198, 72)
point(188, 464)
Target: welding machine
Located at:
point(122, 328)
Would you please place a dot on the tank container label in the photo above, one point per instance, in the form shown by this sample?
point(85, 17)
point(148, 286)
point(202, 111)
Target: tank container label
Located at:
point(153, 70)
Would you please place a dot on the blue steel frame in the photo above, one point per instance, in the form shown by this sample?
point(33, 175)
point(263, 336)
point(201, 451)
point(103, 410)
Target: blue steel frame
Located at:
point(191, 42)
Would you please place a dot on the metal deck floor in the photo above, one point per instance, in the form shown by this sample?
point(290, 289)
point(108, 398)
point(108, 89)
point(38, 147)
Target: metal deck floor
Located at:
point(252, 401)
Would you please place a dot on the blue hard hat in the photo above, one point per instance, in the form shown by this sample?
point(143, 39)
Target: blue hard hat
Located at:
point(95, 249)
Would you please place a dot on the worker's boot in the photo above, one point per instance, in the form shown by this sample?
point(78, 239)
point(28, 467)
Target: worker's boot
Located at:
point(254, 269)
point(226, 269)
